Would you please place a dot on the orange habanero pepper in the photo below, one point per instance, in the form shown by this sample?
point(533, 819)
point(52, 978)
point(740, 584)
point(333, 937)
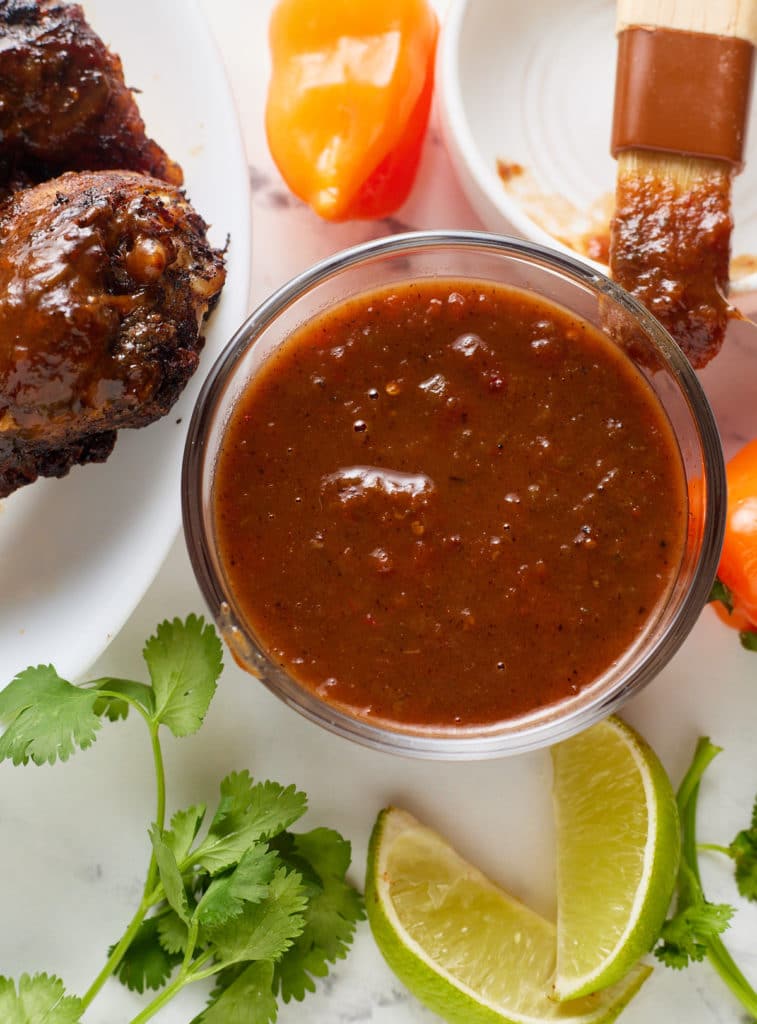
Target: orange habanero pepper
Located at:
point(349, 100)
point(738, 561)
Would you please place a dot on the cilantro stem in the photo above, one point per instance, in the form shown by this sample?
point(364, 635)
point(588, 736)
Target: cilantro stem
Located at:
point(729, 971)
point(188, 973)
point(160, 813)
point(117, 955)
point(688, 793)
point(705, 753)
point(208, 972)
point(160, 1001)
point(194, 928)
point(150, 890)
point(715, 848)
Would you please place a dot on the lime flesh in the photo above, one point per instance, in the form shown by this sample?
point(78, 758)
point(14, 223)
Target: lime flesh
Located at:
point(464, 947)
point(618, 849)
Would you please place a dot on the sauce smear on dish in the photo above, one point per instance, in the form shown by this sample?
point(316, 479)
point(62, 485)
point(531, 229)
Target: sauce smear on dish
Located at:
point(447, 504)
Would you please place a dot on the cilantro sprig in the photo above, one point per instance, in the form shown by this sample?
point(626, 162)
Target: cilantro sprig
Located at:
point(694, 931)
point(233, 894)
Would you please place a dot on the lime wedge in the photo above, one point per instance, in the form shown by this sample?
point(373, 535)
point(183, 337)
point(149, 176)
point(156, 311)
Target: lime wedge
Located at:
point(618, 847)
point(463, 946)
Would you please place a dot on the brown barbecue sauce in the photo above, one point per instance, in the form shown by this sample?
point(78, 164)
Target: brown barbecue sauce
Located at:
point(448, 504)
point(670, 247)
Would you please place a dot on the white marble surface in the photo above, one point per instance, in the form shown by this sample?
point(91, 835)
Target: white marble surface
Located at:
point(73, 844)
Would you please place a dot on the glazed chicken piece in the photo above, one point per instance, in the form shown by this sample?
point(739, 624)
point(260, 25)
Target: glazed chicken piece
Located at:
point(64, 105)
point(105, 279)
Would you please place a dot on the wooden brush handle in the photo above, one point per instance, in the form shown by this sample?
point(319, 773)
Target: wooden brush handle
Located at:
point(735, 18)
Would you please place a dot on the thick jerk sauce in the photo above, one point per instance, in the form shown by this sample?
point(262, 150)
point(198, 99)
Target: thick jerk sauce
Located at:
point(448, 504)
point(670, 247)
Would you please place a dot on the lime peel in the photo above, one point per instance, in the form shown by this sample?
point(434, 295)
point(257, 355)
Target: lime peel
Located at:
point(617, 833)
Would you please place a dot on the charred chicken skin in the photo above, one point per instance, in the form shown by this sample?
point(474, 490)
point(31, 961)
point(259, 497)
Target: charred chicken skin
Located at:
point(105, 279)
point(64, 105)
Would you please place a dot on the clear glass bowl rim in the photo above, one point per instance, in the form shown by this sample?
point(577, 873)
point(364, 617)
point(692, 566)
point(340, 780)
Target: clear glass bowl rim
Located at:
point(489, 743)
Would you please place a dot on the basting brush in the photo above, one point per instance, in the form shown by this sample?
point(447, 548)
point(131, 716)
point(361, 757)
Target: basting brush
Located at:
point(682, 92)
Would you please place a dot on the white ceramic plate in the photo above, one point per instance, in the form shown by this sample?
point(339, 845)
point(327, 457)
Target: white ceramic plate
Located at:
point(532, 85)
point(76, 555)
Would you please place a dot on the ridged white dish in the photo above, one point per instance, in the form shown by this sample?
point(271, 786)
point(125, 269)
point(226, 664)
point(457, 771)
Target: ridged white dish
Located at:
point(532, 85)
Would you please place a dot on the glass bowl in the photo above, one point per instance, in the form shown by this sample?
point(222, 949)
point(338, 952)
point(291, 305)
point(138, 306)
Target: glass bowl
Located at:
point(563, 281)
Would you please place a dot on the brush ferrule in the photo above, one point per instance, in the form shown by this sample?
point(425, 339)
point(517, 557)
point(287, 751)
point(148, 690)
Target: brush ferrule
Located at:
point(686, 93)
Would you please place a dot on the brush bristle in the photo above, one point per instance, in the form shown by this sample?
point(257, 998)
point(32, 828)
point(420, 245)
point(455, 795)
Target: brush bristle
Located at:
point(674, 170)
point(670, 244)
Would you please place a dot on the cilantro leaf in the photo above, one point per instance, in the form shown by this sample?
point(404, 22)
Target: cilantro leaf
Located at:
point(266, 806)
point(247, 812)
point(184, 660)
point(743, 849)
point(333, 910)
point(184, 828)
point(172, 932)
point(265, 930)
point(226, 977)
point(146, 964)
point(720, 592)
point(248, 883)
point(46, 717)
point(686, 936)
point(111, 706)
point(247, 999)
point(39, 1000)
point(170, 876)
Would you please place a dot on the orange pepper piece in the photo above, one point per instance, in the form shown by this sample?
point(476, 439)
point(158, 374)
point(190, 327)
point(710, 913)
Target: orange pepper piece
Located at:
point(349, 99)
point(738, 561)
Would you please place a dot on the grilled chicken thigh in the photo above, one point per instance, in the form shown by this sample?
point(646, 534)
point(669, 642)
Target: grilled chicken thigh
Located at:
point(105, 279)
point(64, 105)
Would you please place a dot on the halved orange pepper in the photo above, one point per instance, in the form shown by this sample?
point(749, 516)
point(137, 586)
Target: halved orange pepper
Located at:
point(349, 100)
point(738, 561)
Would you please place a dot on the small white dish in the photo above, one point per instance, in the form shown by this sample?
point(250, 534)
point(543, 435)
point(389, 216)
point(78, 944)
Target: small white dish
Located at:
point(76, 555)
point(531, 86)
